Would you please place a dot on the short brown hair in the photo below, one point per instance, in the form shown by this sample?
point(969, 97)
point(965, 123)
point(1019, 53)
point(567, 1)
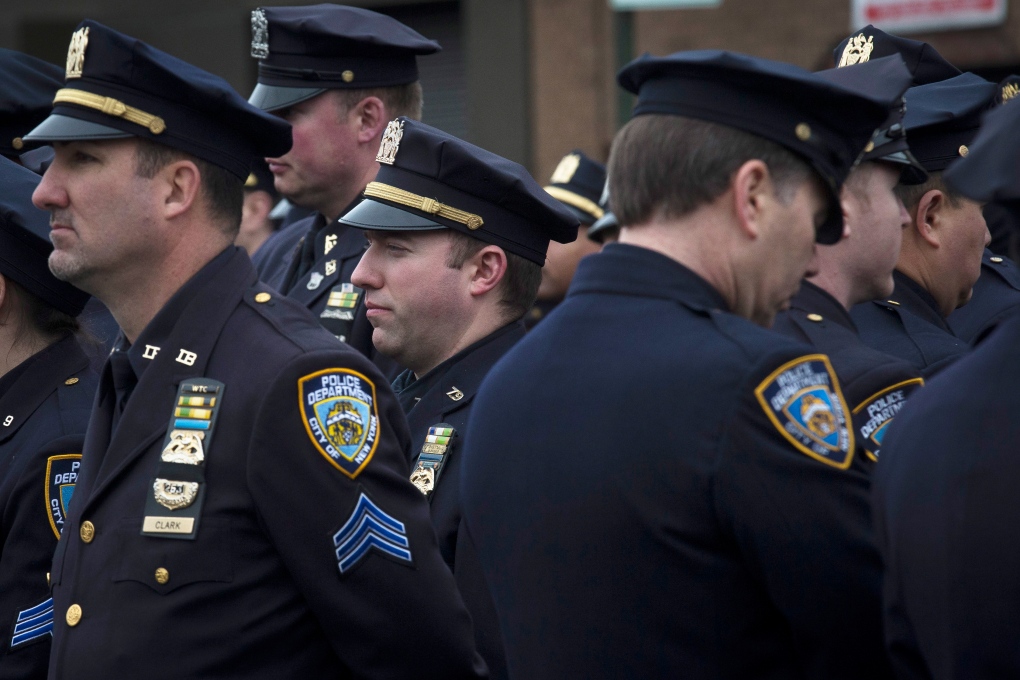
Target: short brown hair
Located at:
point(668, 166)
point(911, 194)
point(401, 100)
point(223, 192)
point(519, 286)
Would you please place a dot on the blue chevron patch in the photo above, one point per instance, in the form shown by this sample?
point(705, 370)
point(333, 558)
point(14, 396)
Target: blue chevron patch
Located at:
point(370, 528)
point(33, 623)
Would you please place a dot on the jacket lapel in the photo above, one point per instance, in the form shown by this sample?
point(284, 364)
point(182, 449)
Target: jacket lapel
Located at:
point(350, 244)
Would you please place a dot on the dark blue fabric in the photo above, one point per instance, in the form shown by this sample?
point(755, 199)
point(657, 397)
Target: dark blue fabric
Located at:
point(945, 496)
point(258, 593)
point(48, 418)
point(909, 325)
point(636, 514)
point(26, 97)
point(996, 297)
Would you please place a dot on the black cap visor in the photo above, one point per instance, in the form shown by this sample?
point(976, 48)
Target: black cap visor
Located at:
point(60, 128)
point(598, 231)
point(275, 97)
point(374, 216)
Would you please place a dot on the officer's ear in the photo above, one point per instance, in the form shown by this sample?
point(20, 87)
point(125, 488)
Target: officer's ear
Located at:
point(930, 217)
point(182, 186)
point(370, 118)
point(753, 192)
point(486, 268)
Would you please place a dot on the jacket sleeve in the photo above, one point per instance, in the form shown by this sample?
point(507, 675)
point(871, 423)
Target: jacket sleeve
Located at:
point(799, 514)
point(327, 470)
point(34, 495)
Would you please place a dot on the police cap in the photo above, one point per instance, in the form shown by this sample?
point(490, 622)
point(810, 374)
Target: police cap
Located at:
point(117, 86)
point(25, 241)
point(304, 51)
point(431, 180)
point(943, 118)
point(824, 122)
point(989, 171)
point(924, 63)
point(25, 98)
point(577, 182)
point(889, 143)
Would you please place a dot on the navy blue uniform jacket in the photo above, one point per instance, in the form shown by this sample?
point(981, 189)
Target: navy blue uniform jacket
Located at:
point(996, 297)
point(945, 505)
point(271, 586)
point(638, 502)
point(876, 385)
point(910, 326)
point(445, 395)
point(44, 410)
point(338, 249)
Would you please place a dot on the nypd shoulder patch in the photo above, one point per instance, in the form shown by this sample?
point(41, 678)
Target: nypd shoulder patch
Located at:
point(803, 400)
point(341, 417)
point(61, 476)
point(873, 416)
point(33, 624)
point(370, 528)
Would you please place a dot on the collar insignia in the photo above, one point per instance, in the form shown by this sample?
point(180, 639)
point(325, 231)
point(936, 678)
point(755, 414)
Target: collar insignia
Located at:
point(1009, 91)
point(455, 394)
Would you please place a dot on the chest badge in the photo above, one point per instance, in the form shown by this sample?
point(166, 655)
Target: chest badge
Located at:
point(432, 458)
point(314, 281)
point(455, 393)
point(174, 507)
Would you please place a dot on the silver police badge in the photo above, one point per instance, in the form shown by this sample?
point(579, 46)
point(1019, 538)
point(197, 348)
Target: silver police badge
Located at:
point(390, 142)
point(185, 447)
point(259, 34)
point(174, 495)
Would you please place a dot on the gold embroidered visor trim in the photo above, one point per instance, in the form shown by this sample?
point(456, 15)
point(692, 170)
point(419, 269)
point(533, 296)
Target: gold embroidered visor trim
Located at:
point(579, 202)
point(111, 107)
point(428, 205)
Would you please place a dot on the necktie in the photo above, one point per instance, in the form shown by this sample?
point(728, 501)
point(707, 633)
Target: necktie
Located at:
point(124, 381)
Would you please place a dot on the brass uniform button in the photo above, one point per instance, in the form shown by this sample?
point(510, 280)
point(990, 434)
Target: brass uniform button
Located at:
point(263, 297)
point(996, 259)
point(814, 317)
point(803, 131)
point(71, 381)
point(73, 615)
point(18, 143)
point(162, 576)
point(964, 150)
point(347, 76)
point(87, 532)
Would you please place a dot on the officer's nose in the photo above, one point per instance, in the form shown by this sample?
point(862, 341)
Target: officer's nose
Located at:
point(365, 274)
point(49, 195)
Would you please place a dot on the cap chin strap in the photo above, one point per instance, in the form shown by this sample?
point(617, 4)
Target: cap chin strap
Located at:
point(111, 107)
point(422, 203)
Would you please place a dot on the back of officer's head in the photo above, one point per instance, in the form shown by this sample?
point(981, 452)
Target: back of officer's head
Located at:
point(666, 167)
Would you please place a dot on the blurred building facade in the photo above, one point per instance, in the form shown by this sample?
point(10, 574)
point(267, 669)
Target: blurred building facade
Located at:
point(528, 79)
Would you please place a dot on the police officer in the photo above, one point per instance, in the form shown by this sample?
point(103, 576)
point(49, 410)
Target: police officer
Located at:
point(46, 391)
point(243, 505)
point(656, 485)
point(945, 493)
point(338, 75)
point(458, 236)
point(859, 268)
point(997, 291)
point(940, 258)
point(260, 197)
point(577, 183)
point(25, 99)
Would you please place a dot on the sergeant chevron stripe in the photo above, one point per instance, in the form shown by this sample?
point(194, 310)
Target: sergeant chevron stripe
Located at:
point(368, 528)
point(33, 623)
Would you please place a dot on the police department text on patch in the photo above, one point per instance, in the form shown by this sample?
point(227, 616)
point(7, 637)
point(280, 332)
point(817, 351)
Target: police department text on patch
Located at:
point(341, 417)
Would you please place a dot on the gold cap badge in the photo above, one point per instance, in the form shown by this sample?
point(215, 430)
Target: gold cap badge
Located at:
point(1009, 91)
point(564, 172)
point(76, 53)
point(347, 76)
point(857, 51)
point(390, 142)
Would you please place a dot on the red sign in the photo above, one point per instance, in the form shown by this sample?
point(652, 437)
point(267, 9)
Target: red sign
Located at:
point(927, 15)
